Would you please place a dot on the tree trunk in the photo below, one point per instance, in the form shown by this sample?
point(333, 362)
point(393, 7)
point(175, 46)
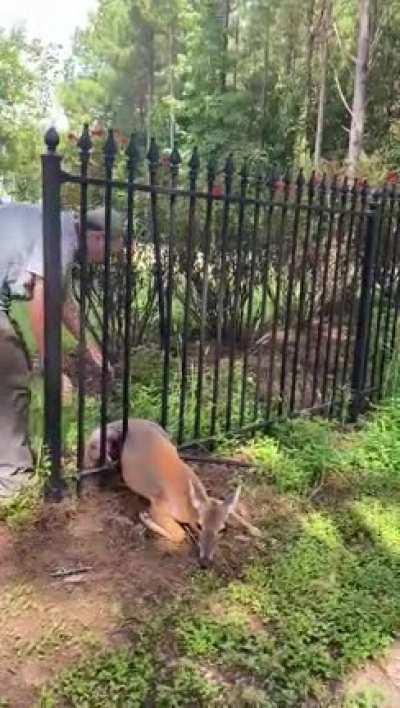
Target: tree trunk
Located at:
point(151, 81)
point(322, 85)
point(235, 67)
point(226, 18)
point(264, 96)
point(360, 86)
point(171, 60)
point(309, 62)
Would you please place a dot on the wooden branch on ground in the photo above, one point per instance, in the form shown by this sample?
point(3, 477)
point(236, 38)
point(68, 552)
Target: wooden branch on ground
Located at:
point(199, 459)
point(209, 460)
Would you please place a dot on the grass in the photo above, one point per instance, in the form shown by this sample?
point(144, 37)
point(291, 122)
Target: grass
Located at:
point(320, 598)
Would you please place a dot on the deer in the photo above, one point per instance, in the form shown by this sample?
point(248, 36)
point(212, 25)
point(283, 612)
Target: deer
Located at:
point(152, 468)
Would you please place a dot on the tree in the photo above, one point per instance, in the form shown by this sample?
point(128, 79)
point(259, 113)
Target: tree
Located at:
point(325, 32)
point(26, 70)
point(360, 86)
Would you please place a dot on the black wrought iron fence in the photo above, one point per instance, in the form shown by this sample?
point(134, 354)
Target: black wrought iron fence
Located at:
point(263, 296)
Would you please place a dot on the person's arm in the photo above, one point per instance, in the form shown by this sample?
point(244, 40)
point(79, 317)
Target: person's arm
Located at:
point(71, 319)
point(70, 316)
point(36, 317)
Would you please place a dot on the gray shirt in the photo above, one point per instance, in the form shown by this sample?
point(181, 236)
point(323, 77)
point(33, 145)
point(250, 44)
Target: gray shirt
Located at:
point(21, 247)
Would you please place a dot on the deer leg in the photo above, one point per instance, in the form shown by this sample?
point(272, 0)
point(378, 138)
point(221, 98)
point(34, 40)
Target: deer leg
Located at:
point(162, 524)
point(251, 529)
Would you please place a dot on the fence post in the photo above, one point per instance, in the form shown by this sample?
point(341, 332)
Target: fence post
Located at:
point(51, 180)
point(361, 345)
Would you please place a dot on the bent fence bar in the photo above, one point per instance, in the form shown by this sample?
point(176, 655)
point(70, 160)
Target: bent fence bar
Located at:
point(240, 296)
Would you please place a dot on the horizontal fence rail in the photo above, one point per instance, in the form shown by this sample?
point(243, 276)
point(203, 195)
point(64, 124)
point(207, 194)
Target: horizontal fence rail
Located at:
point(238, 297)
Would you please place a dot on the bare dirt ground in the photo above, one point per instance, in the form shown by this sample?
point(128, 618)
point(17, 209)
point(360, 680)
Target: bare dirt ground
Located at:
point(49, 619)
point(378, 680)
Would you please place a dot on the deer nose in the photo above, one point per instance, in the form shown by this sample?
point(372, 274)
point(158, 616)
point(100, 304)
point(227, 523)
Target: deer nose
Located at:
point(204, 562)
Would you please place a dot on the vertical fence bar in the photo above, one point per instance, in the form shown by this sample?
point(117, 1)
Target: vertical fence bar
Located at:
point(364, 308)
point(228, 169)
point(194, 165)
point(153, 157)
point(238, 276)
point(378, 254)
point(395, 318)
point(175, 160)
point(278, 289)
point(85, 146)
point(302, 295)
point(382, 276)
point(265, 270)
point(343, 290)
point(110, 151)
point(362, 195)
point(132, 159)
point(396, 295)
point(333, 195)
point(314, 275)
point(338, 255)
point(249, 314)
point(211, 169)
point(51, 176)
point(385, 345)
point(289, 297)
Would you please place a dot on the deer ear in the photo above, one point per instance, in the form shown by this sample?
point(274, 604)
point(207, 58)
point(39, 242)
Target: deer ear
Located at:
point(230, 502)
point(196, 497)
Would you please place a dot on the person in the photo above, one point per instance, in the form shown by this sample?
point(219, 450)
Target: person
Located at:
point(22, 277)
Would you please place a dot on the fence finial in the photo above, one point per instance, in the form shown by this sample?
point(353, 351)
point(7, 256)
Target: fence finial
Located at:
point(175, 160)
point(85, 142)
point(244, 171)
point(194, 163)
point(311, 185)
point(110, 149)
point(229, 165)
point(153, 154)
point(300, 180)
point(364, 191)
point(322, 187)
point(132, 155)
point(212, 167)
point(52, 139)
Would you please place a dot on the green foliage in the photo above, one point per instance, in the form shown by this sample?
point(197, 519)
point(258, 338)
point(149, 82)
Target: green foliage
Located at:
point(320, 597)
point(26, 72)
point(24, 508)
point(311, 603)
point(119, 678)
point(210, 73)
point(276, 457)
point(217, 75)
point(185, 686)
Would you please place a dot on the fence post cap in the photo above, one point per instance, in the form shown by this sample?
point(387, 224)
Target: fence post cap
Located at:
point(374, 200)
point(51, 139)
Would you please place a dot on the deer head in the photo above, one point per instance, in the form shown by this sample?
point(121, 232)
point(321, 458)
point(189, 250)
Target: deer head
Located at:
point(212, 517)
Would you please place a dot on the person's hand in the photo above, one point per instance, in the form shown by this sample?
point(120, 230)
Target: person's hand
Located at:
point(66, 388)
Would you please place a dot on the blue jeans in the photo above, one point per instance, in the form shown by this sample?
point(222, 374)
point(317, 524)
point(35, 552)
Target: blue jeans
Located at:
point(15, 455)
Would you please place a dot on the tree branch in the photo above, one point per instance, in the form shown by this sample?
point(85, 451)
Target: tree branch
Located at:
point(341, 94)
point(341, 45)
